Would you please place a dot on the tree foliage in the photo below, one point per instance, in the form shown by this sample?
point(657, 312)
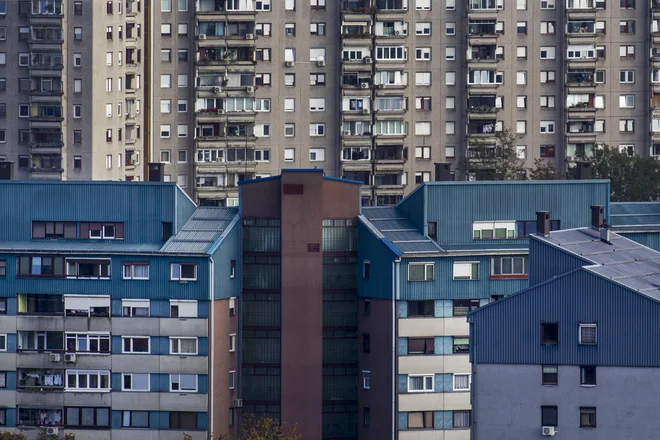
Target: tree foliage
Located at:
point(255, 427)
point(7, 435)
point(632, 178)
point(544, 170)
point(485, 161)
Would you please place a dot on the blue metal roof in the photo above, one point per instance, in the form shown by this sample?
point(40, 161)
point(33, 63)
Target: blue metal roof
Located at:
point(201, 231)
point(395, 227)
point(635, 216)
point(79, 246)
point(620, 260)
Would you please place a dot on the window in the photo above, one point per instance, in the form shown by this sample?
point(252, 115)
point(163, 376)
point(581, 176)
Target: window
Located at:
point(423, 5)
point(417, 384)
point(450, 5)
point(627, 125)
point(547, 4)
point(289, 154)
point(183, 383)
point(423, 128)
point(547, 52)
point(289, 131)
point(547, 127)
point(549, 333)
point(135, 382)
point(422, 152)
point(183, 308)
point(420, 420)
point(232, 379)
point(549, 374)
point(521, 52)
point(462, 382)
point(521, 28)
point(317, 29)
point(420, 271)
point(183, 420)
point(462, 419)
point(136, 271)
point(183, 346)
point(423, 78)
point(547, 101)
point(366, 343)
point(77, 8)
point(627, 51)
point(548, 76)
point(587, 417)
point(88, 269)
point(421, 346)
point(461, 345)
point(588, 376)
point(450, 28)
point(549, 416)
point(135, 419)
point(466, 270)
point(317, 154)
point(587, 335)
point(316, 129)
point(232, 343)
point(3, 306)
point(134, 307)
point(77, 111)
point(422, 54)
point(461, 307)
point(317, 79)
point(182, 29)
point(317, 104)
point(87, 417)
point(87, 380)
point(366, 379)
point(509, 267)
point(3, 342)
point(626, 101)
point(450, 78)
point(77, 33)
point(521, 126)
point(136, 344)
point(499, 230)
point(626, 76)
point(183, 271)
point(182, 5)
point(422, 28)
point(166, 30)
point(421, 308)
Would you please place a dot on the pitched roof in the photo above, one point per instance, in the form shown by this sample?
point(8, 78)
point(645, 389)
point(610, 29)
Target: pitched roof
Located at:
point(620, 260)
point(205, 227)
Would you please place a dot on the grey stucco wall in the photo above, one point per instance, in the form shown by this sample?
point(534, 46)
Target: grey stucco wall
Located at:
point(507, 402)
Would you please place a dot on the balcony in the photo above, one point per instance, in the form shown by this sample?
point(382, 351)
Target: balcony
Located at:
point(46, 35)
point(483, 128)
point(389, 30)
point(46, 61)
point(47, 138)
point(581, 78)
point(582, 9)
point(360, 176)
point(221, 56)
point(580, 151)
point(42, 379)
point(392, 180)
point(356, 34)
point(45, 113)
point(356, 80)
point(389, 158)
point(390, 7)
point(39, 10)
point(579, 128)
point(484, 6)
point(484, 54)
point(483, 32)
point(357, 7)
point(578, 104)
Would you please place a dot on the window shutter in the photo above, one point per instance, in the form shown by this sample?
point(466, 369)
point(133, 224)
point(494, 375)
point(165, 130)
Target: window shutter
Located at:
point(84, 230)
point(119, 230)
point(38, 230)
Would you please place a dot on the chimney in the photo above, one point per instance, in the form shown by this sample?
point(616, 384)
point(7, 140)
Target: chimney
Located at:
point(543, 223)
point(584, 170)
point(6, 170)
point(156, 172)
point(597, 216)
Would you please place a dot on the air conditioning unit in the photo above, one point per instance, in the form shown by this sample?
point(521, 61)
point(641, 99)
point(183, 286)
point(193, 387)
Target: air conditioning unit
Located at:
point(548, 431)
point(381, 86)
point(217, 89)
point(367, 60)
point(397, 33)
point(289, 63)
point(249, 89)
point(238, 403)
point(320, 63)
point(220, 111)
point(364, 85)
point(249, 36)
point(70, 358)
point(54, 357)
point(656, 157)
point(365, 111)
point(202, 36)
point(52, 431)
point(347, 132)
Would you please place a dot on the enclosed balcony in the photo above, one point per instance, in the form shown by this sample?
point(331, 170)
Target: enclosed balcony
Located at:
point(390, 104)
point(41, 8)
point(579, 55)
point(485, 78)
point(487, 127)
point(485, 5)
point(45, 112)
point(46, 60)
point(361, 80)
point(46, 86)
point(356, 154)
point(576, 6)
point(580, 151)
point(356, 30)
point(356, 6)
point(224, 55)
point(40, 341)
point(391, 29)
point(360, 176)
point(390, 6)
point(580, 127)
point(581, 77)
point(581, 28)
point(44, 34)
point(482, 106)
point(46, 163)
point(655, 4)
point(357, 128)
point(40, 378)
point(488, 53)
point(390, 179)
point(210, 6)
point(581, 102)
point(46, 137)
point(484, 28)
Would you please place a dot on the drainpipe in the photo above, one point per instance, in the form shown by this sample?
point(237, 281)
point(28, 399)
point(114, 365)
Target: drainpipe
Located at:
point(395, 296)
point(212, 339)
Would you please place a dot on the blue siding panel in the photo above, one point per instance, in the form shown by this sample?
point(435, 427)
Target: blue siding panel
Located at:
point(203, 309)
point(164, 383)
point(403, 421)
point(443, 286)
point(156, 420)
point(444, 345)
point(442, 383)
point(160, 345)
point(12, 305)
point(11, 380)
point(447, 419)
point(444, 308)
point(202, 421)
point(203, 346)
point(567, 201)
point(403, 383)
point(116, 307)
point(379, 284)
point(413, 207)
point(160, 308)
point(116, 345)
point(402, 346)
point(648, 239)
point(546, 262)
point(116, 419)
point(224, 285)
point(116, 382)
point(154, 383)
point(11, 343)
point(402, 309)
point(202, 383)
point(508, 331)
point(185, 208)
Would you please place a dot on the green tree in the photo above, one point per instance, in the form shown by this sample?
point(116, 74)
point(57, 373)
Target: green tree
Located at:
point(6, 435)
point(632, 178)
point(544, 170)
point(486, 161)
point(254, 427)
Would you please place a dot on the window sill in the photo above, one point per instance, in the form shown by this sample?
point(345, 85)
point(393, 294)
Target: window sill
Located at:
point(587, 385)
point(509, 277)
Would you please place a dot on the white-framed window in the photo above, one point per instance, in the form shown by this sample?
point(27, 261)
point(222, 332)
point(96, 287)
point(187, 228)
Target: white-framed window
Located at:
point(165, 5)
point(232, 343)
point(289, 104)
point(422, 28)
point(587, 334)
point(165, 81)
point(521, 5)
point(422, 78)
point(183, 308)
point(182, 80)
point(548, 52)
point(521, 52)
point(183, 346)
point(521, 102)
point(165, 131)
point(183, 383)
point(420, 383)
point(3, 342)
point(86, 305)
point(182, 130)
point(135, 382)
point(547, 127)
point(450, 28)
point(548, 76)
point(422, 152)
point(626, 101)
point(317, 154)
point(450, 127)
point(77, 111)
point(232, 379)
point(450, 102)
point(289, 154)
point(626, 76)
point(423, 5)
point(317, 54)
point(87, 380)
point(450, 78)
point(289, 131)
point(316, 104)
point(183, 271)
point(521, 127)
point(136, 344)
point(521, 150)
point(547, 101)
point(462, 382)
point(498, 230)
point(547, 4)
point(466, 270)
point(366, 379)
point(135, 308)
point(450, 5)
point(316, 129)
point(423, 128)
point(166, 29)
point(450, 53)
point(521, 78)
point(421, 271)
point(627, 51)
point(423, 54)
point(136, 271)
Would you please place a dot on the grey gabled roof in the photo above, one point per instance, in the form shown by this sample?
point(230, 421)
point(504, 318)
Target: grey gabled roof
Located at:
point(396, 228)
point(620, 260)
point(204, 228)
